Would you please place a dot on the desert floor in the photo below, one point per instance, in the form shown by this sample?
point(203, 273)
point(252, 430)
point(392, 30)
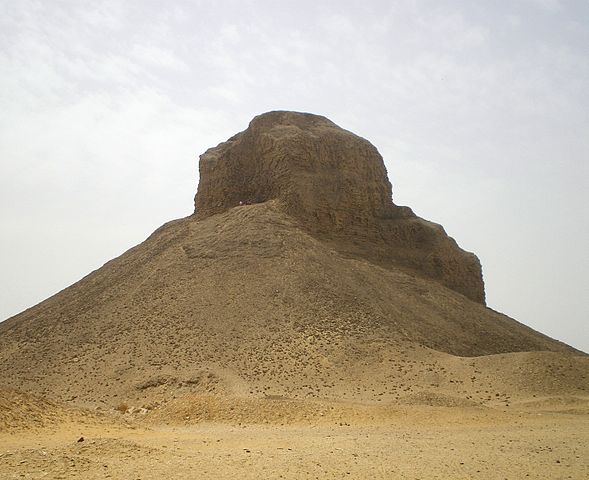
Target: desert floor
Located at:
point(544, 440)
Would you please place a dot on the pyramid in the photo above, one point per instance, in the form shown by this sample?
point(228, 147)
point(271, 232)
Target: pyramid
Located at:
point(296, 277)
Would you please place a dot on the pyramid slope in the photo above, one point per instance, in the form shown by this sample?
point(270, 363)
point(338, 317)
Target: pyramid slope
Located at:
point(248, 303)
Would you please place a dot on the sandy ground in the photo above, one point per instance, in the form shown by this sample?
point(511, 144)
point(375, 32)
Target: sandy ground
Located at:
point(413, 443)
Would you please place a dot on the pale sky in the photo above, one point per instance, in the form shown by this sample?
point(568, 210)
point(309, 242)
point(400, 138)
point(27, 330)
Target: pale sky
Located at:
point(480, 110)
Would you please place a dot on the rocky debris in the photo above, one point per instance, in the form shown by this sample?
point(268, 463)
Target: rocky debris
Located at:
point(335, 184)
point(156, 382)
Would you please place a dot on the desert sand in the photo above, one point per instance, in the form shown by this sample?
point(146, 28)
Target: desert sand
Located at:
point(541, 439)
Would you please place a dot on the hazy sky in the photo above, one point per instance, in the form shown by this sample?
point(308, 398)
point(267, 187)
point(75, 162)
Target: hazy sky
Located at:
point(480, 110)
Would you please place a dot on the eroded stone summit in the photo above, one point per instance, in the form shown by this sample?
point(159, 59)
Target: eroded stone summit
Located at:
point(335, 184)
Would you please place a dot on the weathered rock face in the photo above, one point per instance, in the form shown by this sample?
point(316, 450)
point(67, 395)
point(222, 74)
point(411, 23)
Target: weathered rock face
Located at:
point(325, 176)
point(335, 184)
